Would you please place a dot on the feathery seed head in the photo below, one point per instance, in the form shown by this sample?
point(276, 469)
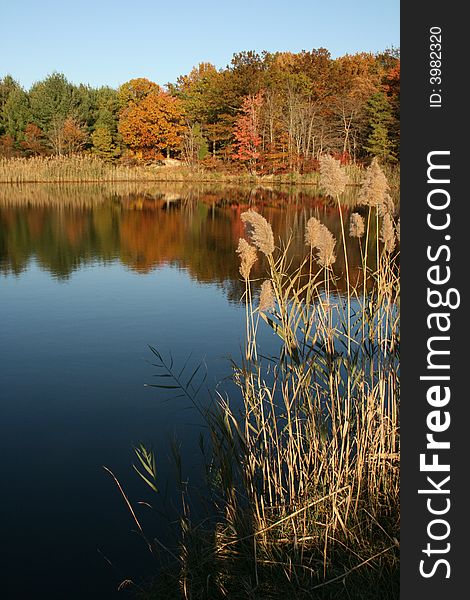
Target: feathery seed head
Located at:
point(333, 177)
point(375, 188)
point(248, 257)
point(387, 233)
point(259, 230)
point(320, 237)
point(387, 206)
point(266, 297)
point(312, 232)
point(356, 225)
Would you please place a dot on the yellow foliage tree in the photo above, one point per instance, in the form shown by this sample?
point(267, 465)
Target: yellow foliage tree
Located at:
point(136, 90)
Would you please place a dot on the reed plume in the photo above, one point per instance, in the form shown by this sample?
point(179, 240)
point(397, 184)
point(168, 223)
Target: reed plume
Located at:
point(356, 226)
point(259, 230)
point(320, 237)
point(387, 233)
point(248, 257)
point(306, 464)
point(333, 178)
point(386, 206)
point(375, 188)
point(266, 297)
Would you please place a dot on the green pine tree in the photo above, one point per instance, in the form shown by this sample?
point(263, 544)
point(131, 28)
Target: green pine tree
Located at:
point(16, 114)
point(200, 142)
point(103, 143)
point(379, 114)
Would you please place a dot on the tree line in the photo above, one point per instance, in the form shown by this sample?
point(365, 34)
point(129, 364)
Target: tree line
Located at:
point(268, 112)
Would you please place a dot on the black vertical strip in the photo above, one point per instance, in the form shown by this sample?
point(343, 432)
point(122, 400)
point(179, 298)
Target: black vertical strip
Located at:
point(433, 119)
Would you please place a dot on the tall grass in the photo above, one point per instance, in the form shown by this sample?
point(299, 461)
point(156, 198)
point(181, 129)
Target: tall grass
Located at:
point(70, 169)
point(304, 472)
point(89, 168)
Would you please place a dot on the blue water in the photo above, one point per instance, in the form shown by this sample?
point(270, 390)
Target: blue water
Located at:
point(74, 362)
point(83, 291)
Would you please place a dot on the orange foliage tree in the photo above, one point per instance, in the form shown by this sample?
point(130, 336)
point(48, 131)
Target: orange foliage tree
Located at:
point(7, 145)
point(34, 140)
point(151, 121)
point(75, 136)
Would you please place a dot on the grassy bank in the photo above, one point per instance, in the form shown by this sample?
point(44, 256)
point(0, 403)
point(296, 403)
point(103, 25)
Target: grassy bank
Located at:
point(79, 168)
point(303, 474)
point(87, 168)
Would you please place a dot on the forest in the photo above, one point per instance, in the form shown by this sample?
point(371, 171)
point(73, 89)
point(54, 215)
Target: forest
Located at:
point(265, 113)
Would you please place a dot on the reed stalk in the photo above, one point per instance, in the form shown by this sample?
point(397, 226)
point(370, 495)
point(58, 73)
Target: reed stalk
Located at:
point(307, 464)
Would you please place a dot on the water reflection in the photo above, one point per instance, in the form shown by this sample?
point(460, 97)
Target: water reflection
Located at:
point(193, 228)
point(75, 356)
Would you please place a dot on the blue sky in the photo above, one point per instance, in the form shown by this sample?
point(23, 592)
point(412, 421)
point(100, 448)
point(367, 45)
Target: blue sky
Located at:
point(108, 42)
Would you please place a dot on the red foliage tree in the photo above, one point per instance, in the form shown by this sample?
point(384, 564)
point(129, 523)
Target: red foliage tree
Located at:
point(247, 132)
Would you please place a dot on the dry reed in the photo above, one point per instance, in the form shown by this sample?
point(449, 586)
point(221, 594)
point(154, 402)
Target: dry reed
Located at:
point(320, 237)
point(248, 257)
point(333, 177)
point(315, 452)
point(374, 187)
point(305, 473)
point(387, 233)
point(266, 297)
point(356, 226)
point(260, 231)
point(307, 485)
point(87, 167)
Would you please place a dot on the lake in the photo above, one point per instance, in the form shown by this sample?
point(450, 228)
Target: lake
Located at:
point(90, 276)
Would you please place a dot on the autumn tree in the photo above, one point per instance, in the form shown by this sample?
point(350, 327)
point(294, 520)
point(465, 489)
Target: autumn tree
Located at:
point(197, 92)
point(7, 146)
point(247, 132)
point(312, 104)
point(297, 98)
point(247, 72)
point(208, 98)
point(75, 135)
point(66, 136)
point(391, 88)
point(34, 141)
point(298, 116)
point(151, 122)
point(55, 135)
point(135, 90)
point(354, 79)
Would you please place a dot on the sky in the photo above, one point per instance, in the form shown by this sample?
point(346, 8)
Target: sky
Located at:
point(108, 42)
